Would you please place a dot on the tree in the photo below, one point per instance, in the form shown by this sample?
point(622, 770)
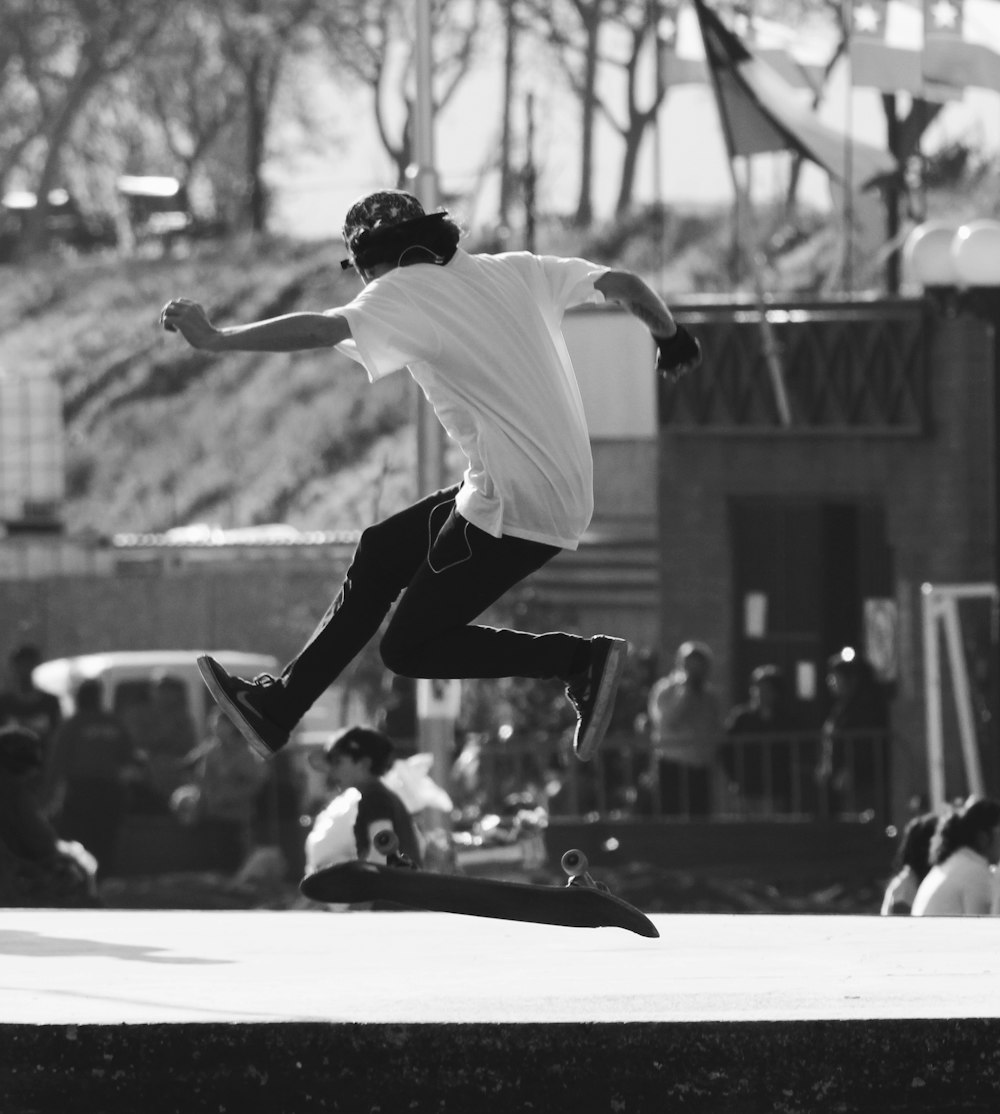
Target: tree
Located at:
point(373, 40)
point(903, 136)
point(639, 19)
point(189, 89)
point(67, 49)
point(257, 38)
point(574, 30)
point(17, 109)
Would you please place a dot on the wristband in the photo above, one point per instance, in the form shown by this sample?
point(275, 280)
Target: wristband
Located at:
point(680, 349)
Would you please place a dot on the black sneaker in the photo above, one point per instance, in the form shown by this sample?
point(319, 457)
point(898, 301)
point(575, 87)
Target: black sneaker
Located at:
point(592, 693)
point(240, 700)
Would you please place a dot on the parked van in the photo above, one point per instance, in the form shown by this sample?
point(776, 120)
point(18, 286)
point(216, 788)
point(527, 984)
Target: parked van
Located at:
point(128, 677)
point(132, 682)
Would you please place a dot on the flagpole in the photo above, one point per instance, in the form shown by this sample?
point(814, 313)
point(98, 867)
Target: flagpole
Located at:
point(423, 174)
point(847, 214)
point(653, 16)
point(747, 241)
point(746, 234)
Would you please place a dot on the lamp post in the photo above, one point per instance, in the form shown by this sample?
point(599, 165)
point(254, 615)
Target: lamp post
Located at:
point(421, 171)
point(437, 701)
point(422, 177)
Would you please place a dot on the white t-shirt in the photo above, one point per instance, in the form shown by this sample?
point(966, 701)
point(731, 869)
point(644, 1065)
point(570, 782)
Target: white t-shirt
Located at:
point(963, 885)
point(482, 336)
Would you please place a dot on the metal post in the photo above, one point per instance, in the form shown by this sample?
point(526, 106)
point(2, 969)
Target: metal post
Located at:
point(422, 171)
point(435, 723)
point(506, 174)
point(654, 16)
point(530, 177)
point(932, 698)
point(423, 176)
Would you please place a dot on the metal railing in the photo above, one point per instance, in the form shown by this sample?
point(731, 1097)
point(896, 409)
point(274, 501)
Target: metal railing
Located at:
point(788, 775)
point(854, 366)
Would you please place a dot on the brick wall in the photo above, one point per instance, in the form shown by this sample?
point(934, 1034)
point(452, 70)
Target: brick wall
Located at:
point(936, 487)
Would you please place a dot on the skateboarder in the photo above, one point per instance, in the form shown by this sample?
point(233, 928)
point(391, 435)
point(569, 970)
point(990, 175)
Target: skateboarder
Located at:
point(481, 336)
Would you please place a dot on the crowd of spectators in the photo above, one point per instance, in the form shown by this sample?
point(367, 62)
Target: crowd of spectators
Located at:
point(65, 784)
point(771, 754)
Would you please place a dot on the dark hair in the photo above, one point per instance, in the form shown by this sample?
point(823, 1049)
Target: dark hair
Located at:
point(427, 239)
point(915, 844)
point(380, 209)
point(364, 742)
point(962, 827)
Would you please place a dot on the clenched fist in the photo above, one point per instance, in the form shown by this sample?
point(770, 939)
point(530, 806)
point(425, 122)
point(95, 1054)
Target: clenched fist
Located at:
point(188, 318)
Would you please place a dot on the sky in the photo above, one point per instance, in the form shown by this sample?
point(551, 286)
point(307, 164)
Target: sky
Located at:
point(321, 167)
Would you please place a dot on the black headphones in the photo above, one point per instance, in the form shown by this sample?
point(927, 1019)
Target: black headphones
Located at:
point(390, 243)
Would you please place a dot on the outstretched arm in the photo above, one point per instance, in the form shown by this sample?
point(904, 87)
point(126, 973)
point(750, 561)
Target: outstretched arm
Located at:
point(292, 332)
point(630, 292)
point(677, 351)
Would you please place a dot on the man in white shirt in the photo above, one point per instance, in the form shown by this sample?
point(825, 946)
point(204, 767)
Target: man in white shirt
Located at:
point(481, 335)
point(965, 885)
point(964, 851)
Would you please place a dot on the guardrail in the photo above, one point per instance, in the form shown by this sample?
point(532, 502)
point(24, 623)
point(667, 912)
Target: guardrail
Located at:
point(781, 776)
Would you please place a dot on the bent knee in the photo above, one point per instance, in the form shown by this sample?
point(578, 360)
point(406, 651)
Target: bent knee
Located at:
point(371, 544)
point(398, 655)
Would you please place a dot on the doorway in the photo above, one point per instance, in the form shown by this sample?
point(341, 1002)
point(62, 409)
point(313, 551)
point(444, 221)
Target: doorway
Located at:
point(803, 570)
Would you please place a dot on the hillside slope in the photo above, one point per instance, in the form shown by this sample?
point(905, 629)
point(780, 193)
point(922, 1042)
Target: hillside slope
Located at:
point(159, 435)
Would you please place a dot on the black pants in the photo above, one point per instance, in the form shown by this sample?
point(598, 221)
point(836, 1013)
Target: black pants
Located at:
point(445, 572)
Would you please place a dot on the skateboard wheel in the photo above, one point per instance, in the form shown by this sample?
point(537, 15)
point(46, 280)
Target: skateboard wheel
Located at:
point(574, 863)
point(386, 842)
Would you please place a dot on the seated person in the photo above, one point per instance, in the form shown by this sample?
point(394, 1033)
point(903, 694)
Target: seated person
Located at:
point(962, 880)
point(355, 762)
point(36, 867)
point(912, 864)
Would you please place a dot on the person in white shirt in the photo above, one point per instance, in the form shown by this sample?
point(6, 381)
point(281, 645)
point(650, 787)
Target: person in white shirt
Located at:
point(685, 720)
point(912, 865)
point(962, 880)
point(481, 335)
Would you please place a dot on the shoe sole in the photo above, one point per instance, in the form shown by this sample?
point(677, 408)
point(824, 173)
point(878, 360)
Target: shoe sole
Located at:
point(232, 710)
point(604, 703)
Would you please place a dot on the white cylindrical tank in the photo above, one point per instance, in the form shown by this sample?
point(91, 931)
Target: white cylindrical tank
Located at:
point(32, 452)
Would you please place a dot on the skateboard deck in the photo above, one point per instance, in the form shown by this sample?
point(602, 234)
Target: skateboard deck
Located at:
point(575, 905)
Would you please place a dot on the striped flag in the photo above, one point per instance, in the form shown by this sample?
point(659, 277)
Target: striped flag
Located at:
point(963, 42)
point(683, 53)
point(887, 49)
point(761, 112)
point(887, 39)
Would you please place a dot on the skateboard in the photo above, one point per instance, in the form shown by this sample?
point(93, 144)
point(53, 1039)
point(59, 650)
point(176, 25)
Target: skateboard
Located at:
point(581, 903)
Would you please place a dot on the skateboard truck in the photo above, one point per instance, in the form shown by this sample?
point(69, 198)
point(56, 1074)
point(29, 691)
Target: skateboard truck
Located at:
point(386, 843)
point(575, 864)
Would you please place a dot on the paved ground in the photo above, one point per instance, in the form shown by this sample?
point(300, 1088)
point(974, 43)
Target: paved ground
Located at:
point(100, 967)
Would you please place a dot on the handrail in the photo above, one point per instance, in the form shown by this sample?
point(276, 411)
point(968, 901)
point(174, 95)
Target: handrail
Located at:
point(779, 775)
